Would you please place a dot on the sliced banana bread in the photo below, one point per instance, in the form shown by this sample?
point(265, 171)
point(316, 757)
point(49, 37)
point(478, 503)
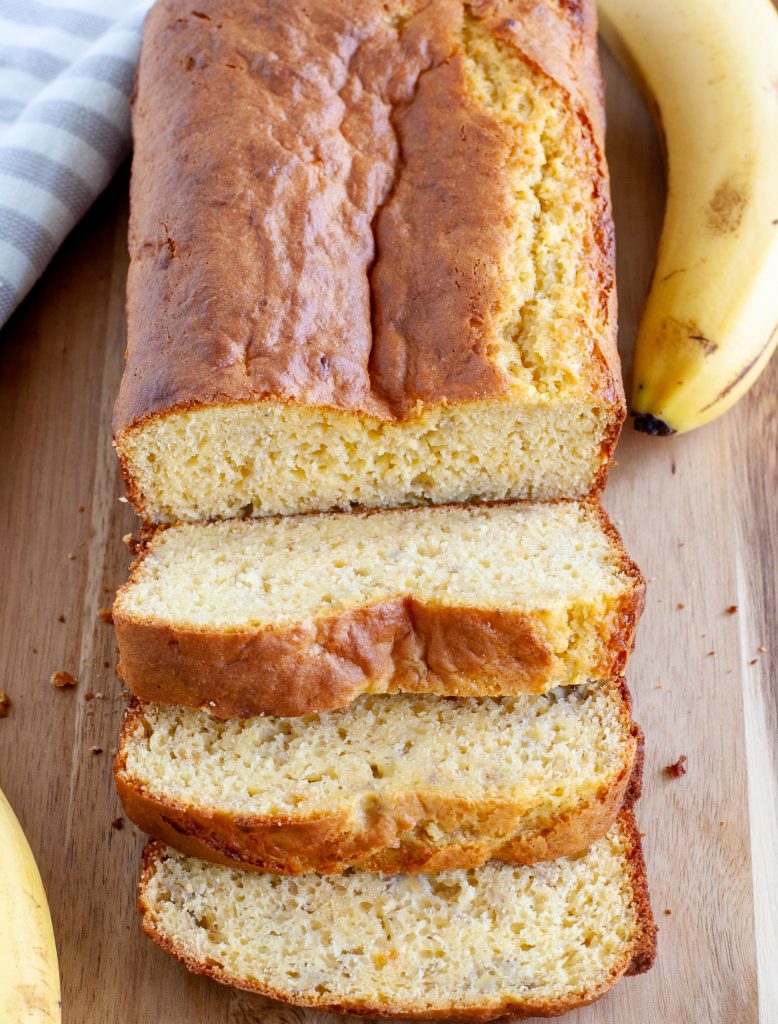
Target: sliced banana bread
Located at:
point(388, 783)
point(371, 257)
point(479, 944)
point(302, 614)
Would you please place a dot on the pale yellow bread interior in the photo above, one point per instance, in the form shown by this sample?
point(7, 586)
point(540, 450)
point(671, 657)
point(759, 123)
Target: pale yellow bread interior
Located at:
point(443, 771)
point(270, 457)
point(542, 937)
point(281, 571)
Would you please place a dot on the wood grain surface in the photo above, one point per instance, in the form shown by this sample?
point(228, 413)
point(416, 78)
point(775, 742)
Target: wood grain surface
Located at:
point(698, 512)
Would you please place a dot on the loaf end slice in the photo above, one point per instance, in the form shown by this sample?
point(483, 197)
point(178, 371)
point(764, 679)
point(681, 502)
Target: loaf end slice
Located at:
point(388, 783)
point(390, 282)
point(498, 942)
point(302, 614)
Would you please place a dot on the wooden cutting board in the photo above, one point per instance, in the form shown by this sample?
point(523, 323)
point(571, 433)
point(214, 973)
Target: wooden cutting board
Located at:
point(697, 512)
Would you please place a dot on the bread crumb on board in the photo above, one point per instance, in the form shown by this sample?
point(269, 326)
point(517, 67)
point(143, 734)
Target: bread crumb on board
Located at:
point(105, 615)
point(732, 610)
point(96, 750)
point(5, 704)
point(63, 680)
point(678, 768)
point(118, 823)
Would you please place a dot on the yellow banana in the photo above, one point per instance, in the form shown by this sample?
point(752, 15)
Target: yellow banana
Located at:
point(29, 978)
point(710, 322)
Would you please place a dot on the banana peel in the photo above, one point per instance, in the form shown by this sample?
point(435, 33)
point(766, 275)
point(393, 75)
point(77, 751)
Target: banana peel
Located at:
point(29, 975)
point(710, 321)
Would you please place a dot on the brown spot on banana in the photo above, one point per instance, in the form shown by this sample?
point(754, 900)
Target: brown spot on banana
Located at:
point(742, 373)
point(725, 210)
point(680, 270)
point(673, 335)
point(708, 346)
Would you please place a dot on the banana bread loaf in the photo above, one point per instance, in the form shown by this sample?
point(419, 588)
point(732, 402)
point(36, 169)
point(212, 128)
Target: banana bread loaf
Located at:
point(371, 257)
point(496, 942)
point(301, 614)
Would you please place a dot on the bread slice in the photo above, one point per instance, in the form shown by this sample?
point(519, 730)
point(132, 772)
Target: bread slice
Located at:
point(302, 614)
point(393, 783)
point(388, 280)
point(495, 942)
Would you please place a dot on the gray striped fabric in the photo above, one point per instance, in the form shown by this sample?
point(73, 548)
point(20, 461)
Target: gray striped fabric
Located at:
point(66, 71)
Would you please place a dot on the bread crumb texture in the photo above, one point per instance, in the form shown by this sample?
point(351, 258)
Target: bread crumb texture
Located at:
point(429, 775)
point(558, 568)
point(267, 458)
point(426, 314)
point(555, 559)
point(556, 932)
point(547, 750)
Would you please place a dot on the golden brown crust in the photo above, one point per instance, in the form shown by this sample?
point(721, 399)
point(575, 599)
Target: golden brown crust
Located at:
point(325, 845)
point(226, 307)
point(395, 646)
point(398, 645)
point(644, 950)
point(386, 837)
point(640, 959)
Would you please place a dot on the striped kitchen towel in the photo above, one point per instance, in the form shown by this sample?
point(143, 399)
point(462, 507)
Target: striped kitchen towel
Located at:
point(66, 71)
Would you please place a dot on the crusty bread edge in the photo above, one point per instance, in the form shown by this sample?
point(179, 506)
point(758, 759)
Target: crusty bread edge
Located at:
point(638, 959)
point(381, 839)
point(396, 645)
point(644, 949)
